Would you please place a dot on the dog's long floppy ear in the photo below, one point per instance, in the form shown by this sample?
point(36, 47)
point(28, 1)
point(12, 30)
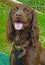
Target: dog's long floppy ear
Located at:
point(34, 28)
point(10, 30)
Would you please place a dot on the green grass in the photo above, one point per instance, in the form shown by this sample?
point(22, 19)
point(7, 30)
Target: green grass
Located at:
point(4, 11)
point(41, 21)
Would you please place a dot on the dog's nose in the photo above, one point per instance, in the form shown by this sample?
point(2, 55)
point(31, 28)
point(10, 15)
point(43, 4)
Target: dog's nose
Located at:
point(18, 15)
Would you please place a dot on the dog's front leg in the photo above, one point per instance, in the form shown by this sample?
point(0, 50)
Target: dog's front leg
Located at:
point(32, 57)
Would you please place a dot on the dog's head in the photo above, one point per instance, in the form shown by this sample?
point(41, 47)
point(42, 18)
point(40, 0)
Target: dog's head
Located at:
point(21, 17)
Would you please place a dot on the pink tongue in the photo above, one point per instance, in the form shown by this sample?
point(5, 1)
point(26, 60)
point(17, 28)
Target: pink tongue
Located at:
point(18, 26)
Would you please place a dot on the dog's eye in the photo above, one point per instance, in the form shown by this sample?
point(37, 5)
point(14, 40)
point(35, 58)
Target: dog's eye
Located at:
point(27, 11)
point(15, 9)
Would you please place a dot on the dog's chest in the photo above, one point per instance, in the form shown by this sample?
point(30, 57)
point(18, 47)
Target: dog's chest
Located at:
point(20, 38)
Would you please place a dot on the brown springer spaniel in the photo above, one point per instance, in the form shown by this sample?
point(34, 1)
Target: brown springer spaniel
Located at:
point(22, 30)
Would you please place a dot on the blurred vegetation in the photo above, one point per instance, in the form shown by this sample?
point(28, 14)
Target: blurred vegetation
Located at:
point(36, 4)
point(4, 12)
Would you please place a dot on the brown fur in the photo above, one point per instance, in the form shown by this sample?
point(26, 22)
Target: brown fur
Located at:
point(27, 15)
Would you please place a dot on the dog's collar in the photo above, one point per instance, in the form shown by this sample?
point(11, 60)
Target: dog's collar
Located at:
point(22, 47)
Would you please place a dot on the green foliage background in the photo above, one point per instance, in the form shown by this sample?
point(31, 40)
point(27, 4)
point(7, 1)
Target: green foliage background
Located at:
point(4, 12)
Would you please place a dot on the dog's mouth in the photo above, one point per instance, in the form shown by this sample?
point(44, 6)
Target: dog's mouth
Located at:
point(19, 25)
